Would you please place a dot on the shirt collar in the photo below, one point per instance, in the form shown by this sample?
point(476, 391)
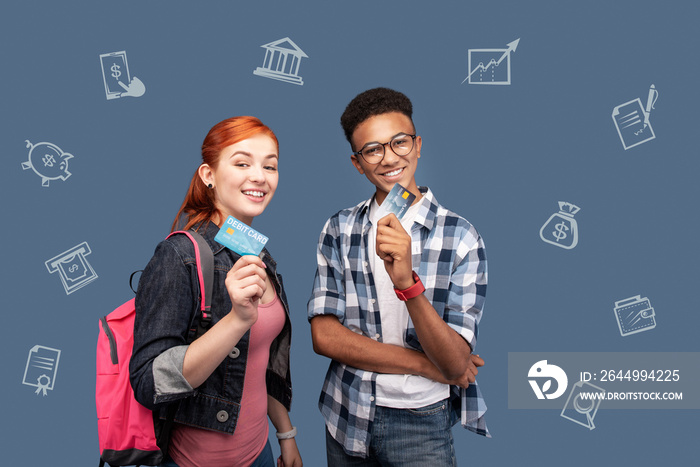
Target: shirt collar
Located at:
point(428, 210)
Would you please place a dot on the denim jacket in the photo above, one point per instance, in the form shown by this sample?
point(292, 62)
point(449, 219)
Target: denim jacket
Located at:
point(167, 301)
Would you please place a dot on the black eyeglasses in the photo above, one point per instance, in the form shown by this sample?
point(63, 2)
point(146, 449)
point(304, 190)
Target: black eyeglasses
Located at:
point(373, 153)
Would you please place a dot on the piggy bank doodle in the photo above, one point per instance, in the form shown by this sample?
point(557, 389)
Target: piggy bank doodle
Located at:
point(48, 161)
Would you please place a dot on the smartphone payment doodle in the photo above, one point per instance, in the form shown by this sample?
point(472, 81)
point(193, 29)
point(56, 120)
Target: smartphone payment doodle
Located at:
point(115, 73)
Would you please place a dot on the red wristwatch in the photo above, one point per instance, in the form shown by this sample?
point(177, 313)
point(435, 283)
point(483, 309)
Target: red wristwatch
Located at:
point(411, 292)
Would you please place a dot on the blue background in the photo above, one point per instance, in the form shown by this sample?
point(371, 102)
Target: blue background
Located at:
point(501, 156)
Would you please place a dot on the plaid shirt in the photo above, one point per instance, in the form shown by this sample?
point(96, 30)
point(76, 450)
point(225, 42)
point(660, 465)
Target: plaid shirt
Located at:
point(448, 255)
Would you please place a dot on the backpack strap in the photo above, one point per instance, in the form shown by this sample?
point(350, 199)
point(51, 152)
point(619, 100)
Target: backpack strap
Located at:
point(204, 257)
point(205, 272)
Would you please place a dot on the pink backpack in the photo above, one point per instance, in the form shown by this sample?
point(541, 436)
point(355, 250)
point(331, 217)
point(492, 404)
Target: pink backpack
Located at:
point(125, 428)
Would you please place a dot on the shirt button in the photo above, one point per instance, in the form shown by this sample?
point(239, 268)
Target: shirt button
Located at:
point(222, 416)
point(377, 336)
point(234, 353)
point(371, 398)
point(365, 263)
point(373, 301)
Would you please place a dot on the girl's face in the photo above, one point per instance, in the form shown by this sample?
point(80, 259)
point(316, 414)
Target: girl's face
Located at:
point(245, 178)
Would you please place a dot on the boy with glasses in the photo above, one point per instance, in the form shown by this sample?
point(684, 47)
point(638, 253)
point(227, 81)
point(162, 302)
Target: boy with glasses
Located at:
point(395, 305)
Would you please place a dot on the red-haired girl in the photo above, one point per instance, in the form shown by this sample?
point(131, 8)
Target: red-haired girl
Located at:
point(225, 384)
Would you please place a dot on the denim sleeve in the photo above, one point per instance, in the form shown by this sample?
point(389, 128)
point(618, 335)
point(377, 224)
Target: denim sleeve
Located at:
point(328, 295)
point(467, 289)
point(164, 309)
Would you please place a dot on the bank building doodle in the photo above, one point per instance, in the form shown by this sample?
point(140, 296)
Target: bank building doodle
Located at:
point(281, 62)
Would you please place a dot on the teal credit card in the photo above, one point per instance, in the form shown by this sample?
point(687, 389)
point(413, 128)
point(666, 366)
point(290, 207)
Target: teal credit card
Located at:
point(397, 201)
point(241, 238)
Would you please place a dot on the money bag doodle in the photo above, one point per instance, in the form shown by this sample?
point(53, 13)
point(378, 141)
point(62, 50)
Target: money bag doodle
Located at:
point(561, 228)
point(47, 161)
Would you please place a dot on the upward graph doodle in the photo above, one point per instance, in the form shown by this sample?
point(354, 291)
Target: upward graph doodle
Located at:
point(485, 65)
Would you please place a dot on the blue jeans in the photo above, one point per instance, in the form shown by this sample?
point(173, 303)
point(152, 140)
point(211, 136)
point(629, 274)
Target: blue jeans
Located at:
point(265, 459)
point(403, 437)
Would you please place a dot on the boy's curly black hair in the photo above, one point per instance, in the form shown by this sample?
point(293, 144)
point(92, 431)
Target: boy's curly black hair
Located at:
point(373, 102)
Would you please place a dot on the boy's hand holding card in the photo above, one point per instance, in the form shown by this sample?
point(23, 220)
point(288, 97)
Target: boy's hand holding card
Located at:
point(393, 242)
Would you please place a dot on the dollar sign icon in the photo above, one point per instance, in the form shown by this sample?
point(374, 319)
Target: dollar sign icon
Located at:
point(115, 71)
point(73, 268)
point(48, 160)
point(559, 234)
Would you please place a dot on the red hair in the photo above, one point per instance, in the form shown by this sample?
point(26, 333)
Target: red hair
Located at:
point(199, 205)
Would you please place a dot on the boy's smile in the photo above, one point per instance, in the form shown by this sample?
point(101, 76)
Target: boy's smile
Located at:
point(392, 169)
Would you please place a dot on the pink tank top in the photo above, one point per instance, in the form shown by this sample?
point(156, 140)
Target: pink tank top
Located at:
point(194, 447)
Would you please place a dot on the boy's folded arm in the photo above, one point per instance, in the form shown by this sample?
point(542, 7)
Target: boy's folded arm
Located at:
point(448, 340)
point(445, 348)
point(335, 341)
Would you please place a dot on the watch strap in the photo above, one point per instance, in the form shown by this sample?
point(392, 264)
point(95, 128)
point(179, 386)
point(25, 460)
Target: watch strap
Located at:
point(412, 291)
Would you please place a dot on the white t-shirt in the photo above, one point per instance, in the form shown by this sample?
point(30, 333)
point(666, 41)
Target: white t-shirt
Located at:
point(397, 391)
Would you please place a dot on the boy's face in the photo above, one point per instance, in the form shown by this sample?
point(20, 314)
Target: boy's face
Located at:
point(392, 169)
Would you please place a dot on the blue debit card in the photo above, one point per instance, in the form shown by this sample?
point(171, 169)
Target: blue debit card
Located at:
point(241, 238)
point(397, 201)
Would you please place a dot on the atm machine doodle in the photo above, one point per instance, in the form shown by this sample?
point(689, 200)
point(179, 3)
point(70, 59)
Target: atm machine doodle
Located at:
point(73, 268)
